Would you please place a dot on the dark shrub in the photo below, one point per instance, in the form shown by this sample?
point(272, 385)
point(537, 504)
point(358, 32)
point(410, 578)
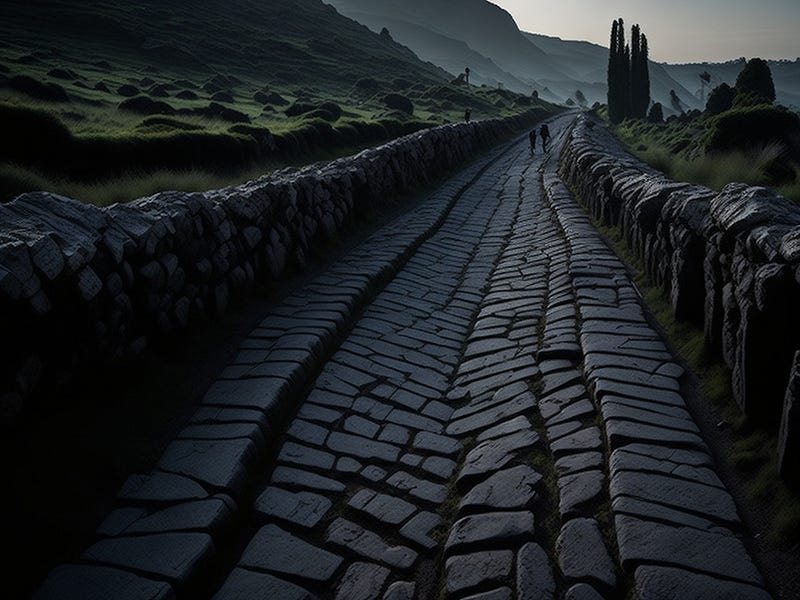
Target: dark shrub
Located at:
point(31, 135)
point(720, 99)
point(756, 78)
point(321, 113)
point(751, 127)
point(159, 91)
point(186, 95)
point(66, 74)
point(399, 102)
point(333, 108)
point(656, 114)
point(226, 97)
point(100, 86)
point(216, 111)
point(167, 125)
point(29, 86)
point(299, 108)
point(367, 84)
point(143, 105)
point(128, 91)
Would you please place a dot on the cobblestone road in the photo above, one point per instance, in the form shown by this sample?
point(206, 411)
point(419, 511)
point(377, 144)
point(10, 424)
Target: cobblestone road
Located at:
point(471, 405)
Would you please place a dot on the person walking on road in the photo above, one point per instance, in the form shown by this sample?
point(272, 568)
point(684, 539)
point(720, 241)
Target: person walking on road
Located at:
point(467, 115)
point(544, 133)
point(532, 136)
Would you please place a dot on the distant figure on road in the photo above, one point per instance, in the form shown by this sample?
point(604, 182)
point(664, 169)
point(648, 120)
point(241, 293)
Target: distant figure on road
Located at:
point(544, 133)
point(467, 115)
point(532, 136)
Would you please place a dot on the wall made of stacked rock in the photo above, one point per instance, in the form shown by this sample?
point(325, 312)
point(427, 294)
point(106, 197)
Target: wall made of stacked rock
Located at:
point(82, 285)
point(728, 261)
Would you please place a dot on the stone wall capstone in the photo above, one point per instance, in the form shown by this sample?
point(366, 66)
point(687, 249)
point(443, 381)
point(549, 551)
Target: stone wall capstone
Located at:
point(82, 285)
point(728, 261)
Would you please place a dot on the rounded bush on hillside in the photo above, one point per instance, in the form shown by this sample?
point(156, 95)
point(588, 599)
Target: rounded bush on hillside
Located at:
point(753, 127)
point(51, 92)
point(226, 97)
point(367, 84)
point(186, 95)
point(299, 108)
point(216, 111)
point(720, 99)
point(399, 102)
point(656, 114)
point(756, 78)
point(143, 105)
point(128, 91)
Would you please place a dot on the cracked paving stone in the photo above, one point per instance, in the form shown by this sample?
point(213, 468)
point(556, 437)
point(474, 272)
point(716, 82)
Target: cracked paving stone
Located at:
point(439, 466)
point(714, 554)
point(558, 431)
point(176, 557)
point(575, 463)
point(373, 473)
point(554, 404)
point(221, 464)
point(161, 487)
point(242, 583)
point(361, 426)
point(419, 527)
point(360, 447)
point(582, 555)
point(425, 441)
point(496, 529)
point(524, 403)
point(535, 579)
point(513, 488)
point(622, 432)
point(298, 478)
point(304, 456)
point(665, 583)
point(605, 387)
point(580, 441)
point(577, 410)
point(465, 573)
point(715, 503)
point(503, 593)
point(301, 508)
point(348, 465)
point(386, 509)
point(369, 545)
point(491, 456)
point(681, 420)
point(200, 515)
point(622, 460)
point(303, 431)
point(394, 434)
point(582, 591)
point(82, 582)
point(636, 507)
point(576, 491)
point(362, 581)
point(418, 488)
point(401, 590)
point(278, 551)
point(507, 428)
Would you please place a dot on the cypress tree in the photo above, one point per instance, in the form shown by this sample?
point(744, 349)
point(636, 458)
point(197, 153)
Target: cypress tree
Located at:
point(644, 73)
point(615, 111)
point(628, 74)
point(635, 70)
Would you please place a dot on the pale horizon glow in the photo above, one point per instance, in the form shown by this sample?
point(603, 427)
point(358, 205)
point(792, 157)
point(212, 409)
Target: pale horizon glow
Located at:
point(679, 31)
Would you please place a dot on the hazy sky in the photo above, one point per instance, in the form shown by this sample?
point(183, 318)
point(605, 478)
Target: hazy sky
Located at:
point(678, 30)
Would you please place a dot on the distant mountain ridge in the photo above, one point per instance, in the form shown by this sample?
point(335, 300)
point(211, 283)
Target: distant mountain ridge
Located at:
point(484, 37)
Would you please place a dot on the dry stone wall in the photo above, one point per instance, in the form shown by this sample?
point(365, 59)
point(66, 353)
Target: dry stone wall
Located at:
point(81, 285)
point(729, 261)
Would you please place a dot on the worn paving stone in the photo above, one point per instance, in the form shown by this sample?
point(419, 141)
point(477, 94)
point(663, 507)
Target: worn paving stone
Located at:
point(584, 440)
point(575, 411)
point(575, 463)
point(582, 555)
point(629, 461)
point(362, 581)
point(275, 550)
point(84, 582)
point(535, 579)
point(401, 590)
point(665, 583)
point(300, 508)
point(623, 432)
point(221, 463)
point(348, 466)
point(496, 529)
point(209, 516)
point(503, 593)
point(514, 425)
point(291, 477)
point(243, 583)
point(582, 591)
point(386, 509)
point(579, 491)
point(425, 441)
point(418, 488)
point(361, 447)
point(492, 455)
point(558, 431)
point(715, 503)
point(636, 507)
point(175, 557)
point(465, 573)
point(368, 544)
point(524, 403)
point(513, 488)
point(297, 454)
point(647, 542)
point(161, 488)
point(419, 527)
point(619, 410)
point(442, 468)
point(553, 404)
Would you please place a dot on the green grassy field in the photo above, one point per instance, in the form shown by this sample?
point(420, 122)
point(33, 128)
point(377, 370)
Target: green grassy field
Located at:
point(106, 101)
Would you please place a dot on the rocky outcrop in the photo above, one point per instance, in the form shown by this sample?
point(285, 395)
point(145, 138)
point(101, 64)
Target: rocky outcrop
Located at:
point(81, 284)
point(729, 261)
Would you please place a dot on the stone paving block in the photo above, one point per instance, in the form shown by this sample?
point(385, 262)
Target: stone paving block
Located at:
point(304, 456)
point(680, 422)
point(242, 584)
point(401, 590)
point(226, 431)
point(222, 464)
point(622, 432)
point(579, 491)
point(524, 403)
point(582, 591)
point(496, 530)
point(275, 550)
point(161, 488)
point(514, 425)
point(665, 583)
point(584, 440)
point(89, 582)
point(300, 508)
point(419, 527)
point(394, 434)
point(558, 431)
point(467, 572)
point(425, 441)
point(209, 516)
point(712, 502)
point(418, 488)
point(645, 542)
point(513, 488)
point(360, 447)
point(535, 579)
point(577, 410)
point(441, 467)
point(362, 581)
point(348, 465)
point(414, 421)
point(636, 507)
point(306, 432)
point(575, 463)
point(503, 593)
point(291, 477)
point(175, 557)
point(553, 404)
point(264, 394)
point(622, 459)
point(368, 544)
point(491, 456)
point(386, 509)
point(582, 555)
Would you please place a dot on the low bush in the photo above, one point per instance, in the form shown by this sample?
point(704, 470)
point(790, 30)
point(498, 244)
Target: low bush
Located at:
point(399, 102)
